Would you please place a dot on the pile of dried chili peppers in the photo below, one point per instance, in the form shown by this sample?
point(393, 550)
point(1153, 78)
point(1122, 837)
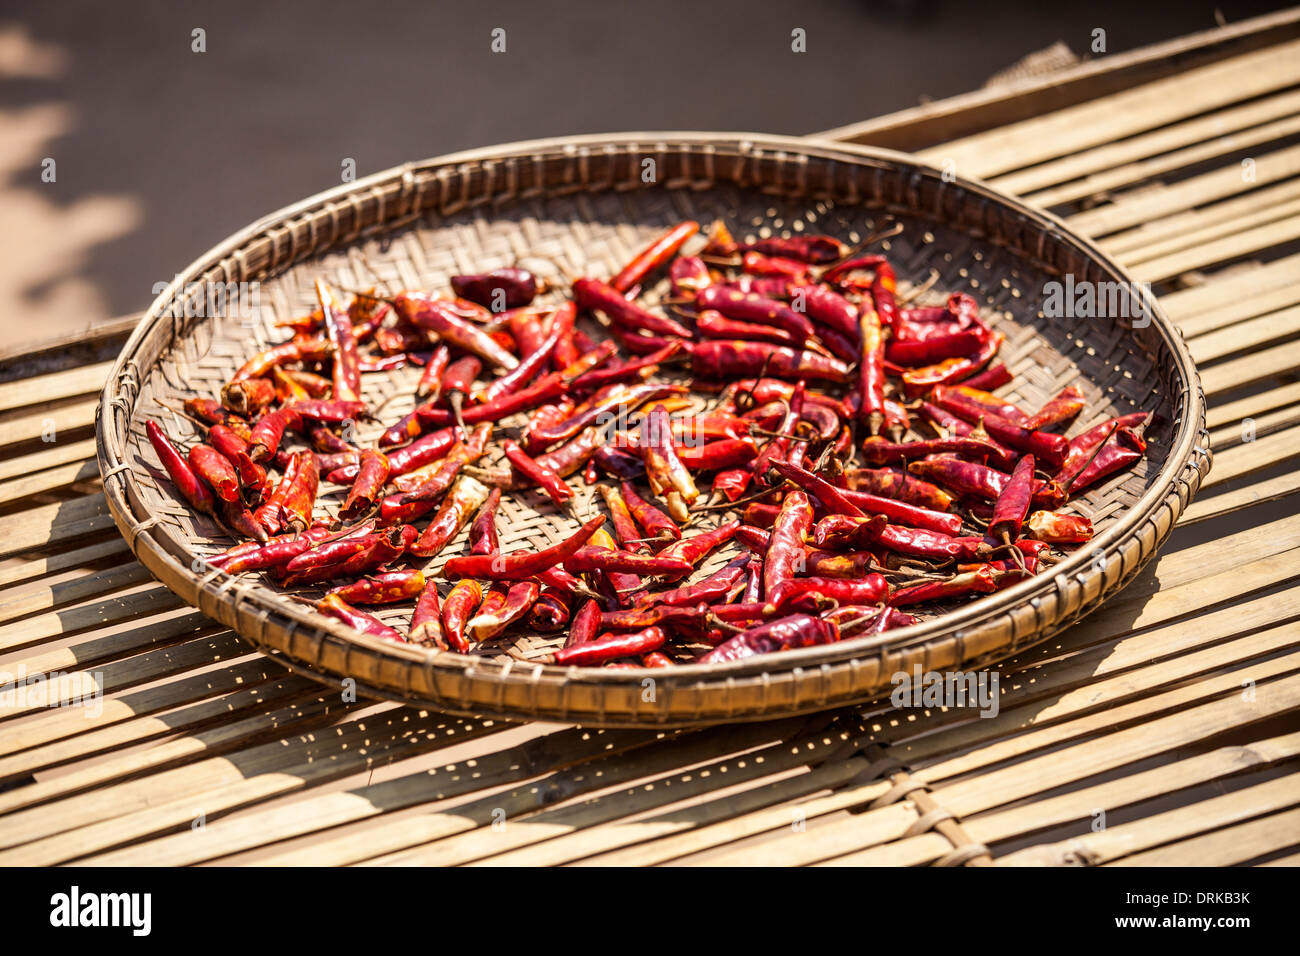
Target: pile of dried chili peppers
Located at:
point(850, 455)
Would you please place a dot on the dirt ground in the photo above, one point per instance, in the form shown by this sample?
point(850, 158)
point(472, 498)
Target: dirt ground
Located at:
point(125, 152)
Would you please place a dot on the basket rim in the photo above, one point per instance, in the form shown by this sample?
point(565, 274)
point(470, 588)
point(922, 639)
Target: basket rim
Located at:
point(1186, 441)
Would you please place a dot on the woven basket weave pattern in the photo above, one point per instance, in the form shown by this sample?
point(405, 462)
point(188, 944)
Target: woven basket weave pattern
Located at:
point(564, 209)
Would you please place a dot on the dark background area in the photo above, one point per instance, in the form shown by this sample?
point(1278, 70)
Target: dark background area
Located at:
point(203, 143)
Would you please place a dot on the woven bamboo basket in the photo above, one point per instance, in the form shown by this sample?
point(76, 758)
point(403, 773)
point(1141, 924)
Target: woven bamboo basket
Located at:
point(583, 206)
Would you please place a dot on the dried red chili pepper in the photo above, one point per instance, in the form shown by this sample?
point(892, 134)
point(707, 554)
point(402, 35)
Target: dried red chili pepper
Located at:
point(248, 397)
point(901, 512)
point(182, 475)
point(712, 324)
point(654, 255)
point(490, 622)
point(275, 553)
point(668, 476)
point(462, 603)
point(429, 388)
point(815, 594)
point(380, 549)
point(1061, 407)
point(371, 476)
point(333, 549)
point(216, 470)
point(980, 481)
point(748, 307)
point(585, 626)
point(333, 606)
point(386, 588)
point(1082, 447)
point(465, 497)
point(537, 474)
point(252, 476)
point(625, 529)
point(916, 381)
point(982, 581)
point(693, 550)
point(594, 295)
point(550, 612)
point(519, 564)
point(269, 431)
point(1125, 448)
point(786, 547)
point(545, 389)
point(712, 589)
point(653, 522)
point(300, 498)
point(797, 630)
point(498, 290)
point(813, 249)
point(688, 275)
point(441, 318)
point(995, 376)
point(871, 369)
point(624, 562)
point(758, 264)
point(1013, 502)
point(347, 374)
point(1058, 528)
point(608, 647)
point(723, 360)
point(426, 619)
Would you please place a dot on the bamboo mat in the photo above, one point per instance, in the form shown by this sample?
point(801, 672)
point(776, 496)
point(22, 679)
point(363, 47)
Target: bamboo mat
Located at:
point(1161, 730)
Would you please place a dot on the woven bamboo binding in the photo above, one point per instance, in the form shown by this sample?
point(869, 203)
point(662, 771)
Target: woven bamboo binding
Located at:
point(585, 205)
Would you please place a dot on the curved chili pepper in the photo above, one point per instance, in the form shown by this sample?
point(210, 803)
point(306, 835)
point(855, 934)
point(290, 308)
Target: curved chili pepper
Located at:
point(483, 530)
point(846, 564)
point(269, 431)
point(980, 481)
point(1120, 451)
point(270, 514)
point(608, 647)
point(712, 324)
point(724, 360)
point(182, 475)
point(440, 317)
point(847, 531)
point(728, 453)
point(512, 286)
point(286, 353)
point(1056, 528)
point(300, 499)
point(935, 349)
point(431, 482)
point(833, 499)
point(382, 548)
point(982, 581)
point(797, 630)
point(1013, 502)
point(812, 595)
point(1063, 406)
point(653, 522)
point(903, 512)
point(732, 483)
point(538, 474)
point(654, 255)
point(879, 451)
point(216, 470)
point(462, 602)
point(624, 562)
point(426, 619)
point(625, 529)
point(424, 450)
point(665, 471)
point(748, 307)
point(545, 389)
point(693, 550)
point(779, 446)
point(759, 264)
point(597, 296)
point(916, 381)
point(812, 248)
point(236, 516)
point(371, 476)
point(492, 621)
point(519, 564)
point(465, 497)
point(786, 547)
point(995, 454)
point(347, 375)
point(276, 553)
point(712, 589)
point(889, 483)
point(585, 626)
point(386, 588)
point(1082, 447)
point(995, 376)
point(429, 387)
point(333, 606)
